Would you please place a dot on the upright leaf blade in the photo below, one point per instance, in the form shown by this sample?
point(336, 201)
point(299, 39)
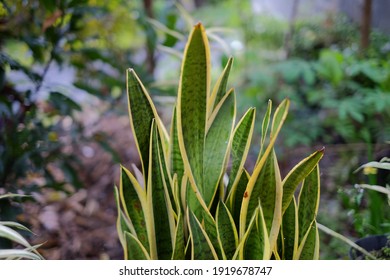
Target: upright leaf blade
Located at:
point(220, 87)
point(227, 232)
point(242, 137)
point(133, 199)
point(202, 249)
point(268, 190)
point(121, 224)
point(159, 200)
point(141, 112)
point(198, 207)
point(236, 196)
point(179, 244)
point(264, 129)
point(216, 146)
point(192, 103)
point(278, 120)
point(135, 250)
point(296, 176)
point(290, 232)
point(308, 201)
point(176, 160)
point(309, 248)
point(257, 246)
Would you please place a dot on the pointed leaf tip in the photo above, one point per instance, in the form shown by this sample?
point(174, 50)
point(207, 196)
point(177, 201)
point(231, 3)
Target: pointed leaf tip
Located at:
point(199, 25)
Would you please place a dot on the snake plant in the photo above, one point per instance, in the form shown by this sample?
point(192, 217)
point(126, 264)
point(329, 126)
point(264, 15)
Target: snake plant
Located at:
point(193, 197)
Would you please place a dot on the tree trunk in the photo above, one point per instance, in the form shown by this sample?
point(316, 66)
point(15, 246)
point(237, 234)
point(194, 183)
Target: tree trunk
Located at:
point(365, 29)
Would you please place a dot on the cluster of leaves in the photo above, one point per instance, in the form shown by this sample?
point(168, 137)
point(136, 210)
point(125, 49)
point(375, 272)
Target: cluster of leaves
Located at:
point(179, 206)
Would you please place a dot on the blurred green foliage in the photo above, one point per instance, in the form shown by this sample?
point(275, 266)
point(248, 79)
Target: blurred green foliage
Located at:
point(342, 98)
point(368, 201)
point(88, 43)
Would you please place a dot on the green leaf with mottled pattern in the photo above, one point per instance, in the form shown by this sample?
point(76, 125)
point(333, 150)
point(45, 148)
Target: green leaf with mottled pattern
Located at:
point(220, 87)
point(242, 137)
point(176, 160)
point(159, 200)
point(216, 146)
point(192, 104)
point(264, 129)
point(277, 123)
point(268, 189)
point(308, 201)
point(309, 249)
point(297, 174)
point(135, 250)
point(179, 244)
point(121, 223)
point(236, 196)
point(141, 112)
point(133, 199)
point(201, 246)
point(227, 232)
point(289, 232)
point(257, 245)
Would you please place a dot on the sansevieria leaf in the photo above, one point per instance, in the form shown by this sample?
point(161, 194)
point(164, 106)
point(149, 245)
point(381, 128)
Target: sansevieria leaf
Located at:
point(179, 244)
point(296, 176)
point(237, 195)
point(264, 129)
point(192, 104)
point(227, 232)
point(309, 248)
point(142, 112)
point(121, 224)
point(308, 201)
point(176, 160)
point(159, 200)
point(133, 199)
point(242, 137)
point(289, 236)
point(204, 216)
point(279, 118)
point(216, 146)
point(220, 87)
point(257, 245)
point(135, 250)
point(202, 249)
